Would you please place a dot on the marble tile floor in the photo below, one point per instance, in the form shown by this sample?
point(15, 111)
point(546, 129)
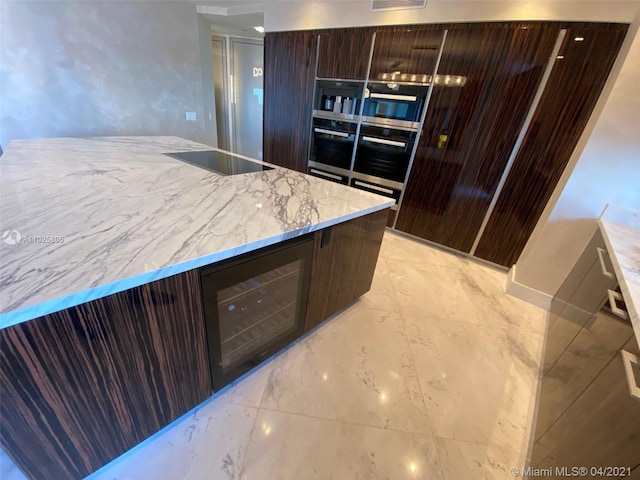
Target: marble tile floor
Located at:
point(431, 375)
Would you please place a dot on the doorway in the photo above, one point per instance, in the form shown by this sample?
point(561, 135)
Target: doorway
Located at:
point(238, 86)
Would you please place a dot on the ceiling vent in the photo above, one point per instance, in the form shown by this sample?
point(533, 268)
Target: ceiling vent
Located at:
point(397, 4)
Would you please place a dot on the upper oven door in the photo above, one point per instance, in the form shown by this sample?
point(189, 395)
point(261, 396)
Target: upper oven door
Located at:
point(394, 105)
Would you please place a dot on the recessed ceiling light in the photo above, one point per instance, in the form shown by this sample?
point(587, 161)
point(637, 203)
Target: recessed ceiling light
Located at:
point(560, 57)
point(579, 39)
point(259, 29)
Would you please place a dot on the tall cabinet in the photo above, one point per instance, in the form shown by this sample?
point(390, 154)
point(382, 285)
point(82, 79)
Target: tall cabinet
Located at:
point(578, 76)
point(290, 70)
point(505, 108)
point(471, 128)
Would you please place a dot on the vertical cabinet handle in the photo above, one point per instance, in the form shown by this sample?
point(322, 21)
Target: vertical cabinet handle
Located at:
point(629, 360)
point(605, 272)
point(613, 296)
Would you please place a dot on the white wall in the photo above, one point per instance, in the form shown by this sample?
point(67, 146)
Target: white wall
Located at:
point(605, 167)
point(99, 68)
point(299, 15)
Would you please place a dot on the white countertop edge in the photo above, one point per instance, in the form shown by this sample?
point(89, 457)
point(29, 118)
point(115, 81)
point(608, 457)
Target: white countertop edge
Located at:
point(622, 281)
point(26, 314)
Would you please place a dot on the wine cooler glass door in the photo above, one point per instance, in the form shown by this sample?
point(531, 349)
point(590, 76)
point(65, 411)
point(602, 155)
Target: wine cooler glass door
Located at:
point(255, 306)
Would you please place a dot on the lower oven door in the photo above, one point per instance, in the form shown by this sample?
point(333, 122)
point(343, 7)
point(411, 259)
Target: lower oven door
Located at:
point(373, 187)
point(255, 305)
point(384, 153)
point(332, 142)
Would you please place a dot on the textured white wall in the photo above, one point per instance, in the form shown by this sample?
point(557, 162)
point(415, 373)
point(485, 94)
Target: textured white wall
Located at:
point(605, 167)
point(99, 68)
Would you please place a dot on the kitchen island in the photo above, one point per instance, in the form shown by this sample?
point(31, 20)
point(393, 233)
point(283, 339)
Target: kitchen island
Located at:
point(103, 336)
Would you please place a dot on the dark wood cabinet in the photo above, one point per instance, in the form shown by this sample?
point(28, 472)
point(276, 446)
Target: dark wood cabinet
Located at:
point(410, 50)
point(483, 91)
point(344, 53)
point(487, 79)
point(290, 70)
point(559, 120)
point(344, 262)
point(82, 386)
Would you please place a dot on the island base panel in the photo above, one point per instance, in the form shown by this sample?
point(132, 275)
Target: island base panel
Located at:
point(82, 386)
point(344, 262)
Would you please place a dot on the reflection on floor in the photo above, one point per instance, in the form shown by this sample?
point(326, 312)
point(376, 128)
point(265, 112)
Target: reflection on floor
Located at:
point(430, 375)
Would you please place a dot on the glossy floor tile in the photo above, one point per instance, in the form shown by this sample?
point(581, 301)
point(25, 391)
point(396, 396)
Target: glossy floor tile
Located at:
point(430, 375)
point(358, 369)
point(286, 446)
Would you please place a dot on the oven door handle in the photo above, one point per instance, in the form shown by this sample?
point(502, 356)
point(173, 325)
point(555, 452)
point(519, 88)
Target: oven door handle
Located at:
point(388, 191)
point(331, 132)
point(384, 141)
point(391, 96)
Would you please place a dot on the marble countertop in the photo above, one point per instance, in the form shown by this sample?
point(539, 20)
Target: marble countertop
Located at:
point(83, 218)
point(621, 231)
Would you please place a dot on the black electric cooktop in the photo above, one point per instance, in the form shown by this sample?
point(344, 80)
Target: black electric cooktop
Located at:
point(219, 162)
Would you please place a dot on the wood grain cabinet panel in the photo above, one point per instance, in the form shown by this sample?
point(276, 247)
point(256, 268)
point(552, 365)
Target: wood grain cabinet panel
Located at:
point(344, 53)
point(562, 114)
point(411, 49)
point(290, 69)
point(134, 362)
point(471, 127)
point(344, 262)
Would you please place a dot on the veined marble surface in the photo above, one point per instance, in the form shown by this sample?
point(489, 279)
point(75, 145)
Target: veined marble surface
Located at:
point(96, 216)
point(621, 231)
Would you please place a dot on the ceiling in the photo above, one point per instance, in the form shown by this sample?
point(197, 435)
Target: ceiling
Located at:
point(233, 17)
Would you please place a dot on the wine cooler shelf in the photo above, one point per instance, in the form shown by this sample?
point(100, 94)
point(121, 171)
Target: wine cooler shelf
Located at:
point(255, 306)
point(252, 335)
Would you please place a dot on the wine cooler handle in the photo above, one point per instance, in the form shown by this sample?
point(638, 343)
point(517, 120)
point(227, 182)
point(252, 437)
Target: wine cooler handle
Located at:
point(630, 360)
point(613, 296)
point(605, 272)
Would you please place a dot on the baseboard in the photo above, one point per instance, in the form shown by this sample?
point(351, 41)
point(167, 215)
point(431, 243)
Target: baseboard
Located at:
point(528, 294)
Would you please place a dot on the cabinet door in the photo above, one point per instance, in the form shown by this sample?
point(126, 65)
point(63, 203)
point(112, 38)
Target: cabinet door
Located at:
point(344, 261)
point(488, 76)
point(562, 114)
point(592, 348)
point(344, 53)
point(82, 386)
point(601, 428)
point(408, 50)
point(289, 75)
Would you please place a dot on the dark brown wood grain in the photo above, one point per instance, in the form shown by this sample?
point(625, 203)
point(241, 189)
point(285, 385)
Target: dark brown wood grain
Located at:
point(451, 185)
point(564, 110)
point(80, 387)
point(289, 76)
point(407, 50)
point(343, 267)
point(344, 53)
